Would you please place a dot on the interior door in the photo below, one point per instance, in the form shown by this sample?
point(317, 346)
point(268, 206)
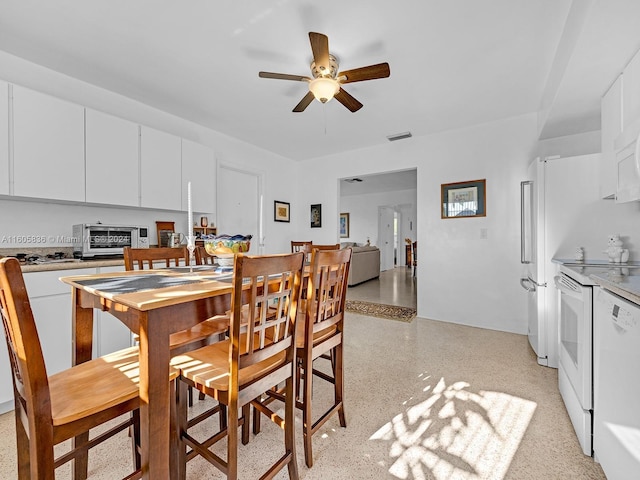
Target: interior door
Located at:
point(385, 237)
point(238, 203)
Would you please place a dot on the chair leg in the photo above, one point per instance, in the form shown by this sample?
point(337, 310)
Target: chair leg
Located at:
point(289, 426)
point(181, 420)
point(23, 448)
point(307, 420)
point(232, 440)
point(338, 376)
point(246, 415)
point(135, 439)
point(81, 461)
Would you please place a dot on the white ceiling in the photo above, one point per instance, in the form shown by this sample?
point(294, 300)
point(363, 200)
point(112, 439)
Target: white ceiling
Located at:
point(453, 63)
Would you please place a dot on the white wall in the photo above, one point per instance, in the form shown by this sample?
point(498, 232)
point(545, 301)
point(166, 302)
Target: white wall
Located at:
point(23, 217)
point(461, 276)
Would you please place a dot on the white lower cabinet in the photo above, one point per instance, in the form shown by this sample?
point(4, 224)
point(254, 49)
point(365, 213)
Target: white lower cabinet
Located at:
point(109, 333)
point(51, 305)
point(6, 386)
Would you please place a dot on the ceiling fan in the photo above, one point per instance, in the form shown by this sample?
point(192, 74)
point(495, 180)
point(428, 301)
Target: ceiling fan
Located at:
point(327, 81)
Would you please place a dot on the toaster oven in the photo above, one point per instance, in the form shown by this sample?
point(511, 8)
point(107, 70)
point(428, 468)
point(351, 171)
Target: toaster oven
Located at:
point(92, 240)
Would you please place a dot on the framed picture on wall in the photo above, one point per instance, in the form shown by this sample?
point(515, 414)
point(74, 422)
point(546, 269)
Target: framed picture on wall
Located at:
point(464, 199)
point(344, 225)
point(281, 211)
point(316, 216)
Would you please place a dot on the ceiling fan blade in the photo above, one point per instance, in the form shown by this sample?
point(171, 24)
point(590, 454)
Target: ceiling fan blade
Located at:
point(381, 70)
point(320, 49)
point(347, 100)
point(284, 76)
point(304, 103)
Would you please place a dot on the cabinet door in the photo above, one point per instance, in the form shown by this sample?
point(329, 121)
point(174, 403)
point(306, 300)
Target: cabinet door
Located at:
point(110, 334)
point(53, 321)
point(198, 167)
point(4, 139)
point(6, 382)
point(611, 128)
point(631, 91)
point(48, 146)
point(111, 160)
point(160, 170)
point(51, 305)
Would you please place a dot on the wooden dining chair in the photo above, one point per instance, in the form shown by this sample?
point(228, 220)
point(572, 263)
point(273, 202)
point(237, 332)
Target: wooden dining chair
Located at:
point(300, 246)
point(319, 333)
point(164, 257)
point(203, 257)
point(415, 257)
point(206, 332)
point(52, 409)
point(202, 334)
point(333, 246)
point(259, 354)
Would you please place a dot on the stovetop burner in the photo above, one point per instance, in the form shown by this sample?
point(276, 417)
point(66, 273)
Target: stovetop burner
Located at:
point(35, 259)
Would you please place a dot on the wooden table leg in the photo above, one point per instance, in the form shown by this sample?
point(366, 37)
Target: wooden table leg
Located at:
point(155, 398)
point(82, 334)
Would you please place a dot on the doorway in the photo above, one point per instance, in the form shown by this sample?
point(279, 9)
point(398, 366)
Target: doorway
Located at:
point(238, 204)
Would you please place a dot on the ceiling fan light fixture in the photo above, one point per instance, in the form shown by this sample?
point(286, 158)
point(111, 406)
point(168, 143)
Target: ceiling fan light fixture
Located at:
point(324, 88)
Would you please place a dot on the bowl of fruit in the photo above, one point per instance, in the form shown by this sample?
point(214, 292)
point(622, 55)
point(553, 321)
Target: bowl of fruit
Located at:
point(226, 246)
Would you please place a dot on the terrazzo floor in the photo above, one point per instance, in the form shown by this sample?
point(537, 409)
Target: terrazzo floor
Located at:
point(424, 400)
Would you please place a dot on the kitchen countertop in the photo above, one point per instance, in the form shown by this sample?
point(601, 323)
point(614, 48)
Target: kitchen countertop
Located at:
point(623, 279)
point(618, 281)
point(73, 264)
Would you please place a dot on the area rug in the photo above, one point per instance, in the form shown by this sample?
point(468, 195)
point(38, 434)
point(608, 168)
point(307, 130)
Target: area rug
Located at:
point(391, 312)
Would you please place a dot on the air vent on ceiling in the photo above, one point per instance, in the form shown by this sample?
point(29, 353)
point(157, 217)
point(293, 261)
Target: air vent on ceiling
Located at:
point(351, 180)
point(398, 136)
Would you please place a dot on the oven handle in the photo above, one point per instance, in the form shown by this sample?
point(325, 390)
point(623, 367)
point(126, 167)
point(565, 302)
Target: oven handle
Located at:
point(568, 287)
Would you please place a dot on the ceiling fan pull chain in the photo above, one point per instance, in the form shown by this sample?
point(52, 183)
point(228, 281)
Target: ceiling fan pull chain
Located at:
point(324, 110)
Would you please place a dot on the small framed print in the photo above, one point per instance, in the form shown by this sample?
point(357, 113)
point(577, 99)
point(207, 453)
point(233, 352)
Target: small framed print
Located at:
point(281, 211)
point(464, 199)
point(344, 225)
point(316, 216)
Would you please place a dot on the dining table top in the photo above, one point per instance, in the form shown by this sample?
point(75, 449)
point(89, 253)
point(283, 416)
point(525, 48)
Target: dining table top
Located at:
point(146, 290)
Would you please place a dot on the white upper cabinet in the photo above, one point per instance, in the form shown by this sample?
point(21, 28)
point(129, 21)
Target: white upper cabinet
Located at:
point(4, 138)
point(611, 111)
point(48, 147)
point(160, 169)
point(111, 160)
point(198, 167)
point(631, 91)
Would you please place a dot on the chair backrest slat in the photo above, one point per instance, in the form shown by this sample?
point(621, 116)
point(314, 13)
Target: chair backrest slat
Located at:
point(328, 282)
point(301, 246)
point(144, 258)
point(266, 290)
point(203, 257)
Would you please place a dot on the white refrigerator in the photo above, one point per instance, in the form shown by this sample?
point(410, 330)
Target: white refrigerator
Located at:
point(554, 201)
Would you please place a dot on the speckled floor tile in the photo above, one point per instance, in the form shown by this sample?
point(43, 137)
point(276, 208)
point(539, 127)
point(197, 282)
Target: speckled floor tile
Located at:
point(424, 400)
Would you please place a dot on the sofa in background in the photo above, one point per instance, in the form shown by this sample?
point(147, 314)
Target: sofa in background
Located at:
point(365, 263)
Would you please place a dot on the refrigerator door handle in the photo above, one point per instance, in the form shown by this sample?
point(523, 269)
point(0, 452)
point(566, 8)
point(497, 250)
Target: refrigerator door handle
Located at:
point(527, 284)
point(523, 232)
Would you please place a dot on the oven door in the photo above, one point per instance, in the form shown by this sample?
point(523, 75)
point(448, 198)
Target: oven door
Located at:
point(576, 332)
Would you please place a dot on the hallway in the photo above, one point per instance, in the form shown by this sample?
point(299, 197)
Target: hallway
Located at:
point(394, 287)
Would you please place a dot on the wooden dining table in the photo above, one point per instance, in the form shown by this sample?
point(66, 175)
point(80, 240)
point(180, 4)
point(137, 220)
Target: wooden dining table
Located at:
point(153, 304)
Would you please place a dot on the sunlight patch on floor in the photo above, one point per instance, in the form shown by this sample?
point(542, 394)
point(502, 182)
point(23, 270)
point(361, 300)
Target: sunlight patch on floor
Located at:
point(456, 433)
